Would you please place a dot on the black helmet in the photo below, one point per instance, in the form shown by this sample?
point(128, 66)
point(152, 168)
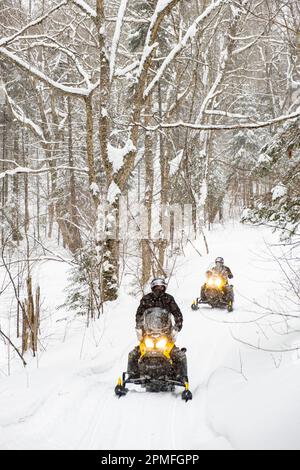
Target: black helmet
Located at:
point(158, 281)
point(220, 260)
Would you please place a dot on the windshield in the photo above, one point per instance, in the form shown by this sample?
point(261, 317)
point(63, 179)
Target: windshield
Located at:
point(157, 320)
point(217, 271)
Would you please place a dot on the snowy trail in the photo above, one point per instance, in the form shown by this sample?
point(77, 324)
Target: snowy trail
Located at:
point(70, 404)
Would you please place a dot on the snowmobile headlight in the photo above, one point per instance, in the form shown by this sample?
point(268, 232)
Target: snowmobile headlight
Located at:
point(218, 282)
point(210, 282)
point(149, 343)
point(161, 343)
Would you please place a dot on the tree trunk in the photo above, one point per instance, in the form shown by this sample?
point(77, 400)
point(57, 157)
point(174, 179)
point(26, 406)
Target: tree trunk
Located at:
point(110, 261)
point(149, 184)
point(90, 150)
point(164, 194)
point(75, 238)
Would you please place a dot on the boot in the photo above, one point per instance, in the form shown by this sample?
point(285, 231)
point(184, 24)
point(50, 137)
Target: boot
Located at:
point(133, 360)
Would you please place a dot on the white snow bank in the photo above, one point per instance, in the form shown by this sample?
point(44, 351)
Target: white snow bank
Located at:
point(243, 398)
point(262, 414)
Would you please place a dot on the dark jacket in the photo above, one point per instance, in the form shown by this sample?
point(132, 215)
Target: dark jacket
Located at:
point(226, 272)
point(165, 301)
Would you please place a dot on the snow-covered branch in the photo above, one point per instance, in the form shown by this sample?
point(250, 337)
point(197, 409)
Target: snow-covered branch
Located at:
point(117, 34)
point(67, 52)
point(225, 56)
point(20, 116)
point(213, 91)
point(162, 7)
point(129, 68)
point(7, 40)
point(58, 258)
point(67, 90)
point(190, 34)
point(127, 19)
point(247, 46)
point(85, 7)
point(224, 127)
point(218, 112)
point(25, 170)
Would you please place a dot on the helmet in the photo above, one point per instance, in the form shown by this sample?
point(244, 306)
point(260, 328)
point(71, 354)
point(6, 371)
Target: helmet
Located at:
point(219, 260)
point(158, 282)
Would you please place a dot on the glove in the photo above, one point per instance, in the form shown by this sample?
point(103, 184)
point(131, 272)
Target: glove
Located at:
point(139, 333)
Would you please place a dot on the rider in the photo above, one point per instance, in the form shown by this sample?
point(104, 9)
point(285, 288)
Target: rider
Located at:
point(158, 298)
point(225, 273)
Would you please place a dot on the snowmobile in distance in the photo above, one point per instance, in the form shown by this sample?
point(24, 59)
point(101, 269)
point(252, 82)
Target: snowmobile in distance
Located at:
point(157, 371)
point(216, 292)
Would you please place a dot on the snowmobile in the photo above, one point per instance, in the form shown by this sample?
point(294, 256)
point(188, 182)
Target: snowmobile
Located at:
point(156, 370)
point(214, 293)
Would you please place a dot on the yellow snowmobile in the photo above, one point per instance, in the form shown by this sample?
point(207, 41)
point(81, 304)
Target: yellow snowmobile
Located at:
point(157, 372)
point(216, 292)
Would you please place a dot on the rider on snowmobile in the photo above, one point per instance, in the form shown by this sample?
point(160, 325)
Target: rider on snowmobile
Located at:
point(225, 273)
point(159, 298)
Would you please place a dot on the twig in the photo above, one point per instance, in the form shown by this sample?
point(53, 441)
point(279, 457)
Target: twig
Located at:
point(15, 348)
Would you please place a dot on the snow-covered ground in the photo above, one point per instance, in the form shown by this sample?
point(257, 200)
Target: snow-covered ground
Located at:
point(243, 397)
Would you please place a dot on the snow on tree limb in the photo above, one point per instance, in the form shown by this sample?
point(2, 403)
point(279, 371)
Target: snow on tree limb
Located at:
point(85, 8)
point(67, 90)
point(162, 6)
point(117, 34)
point(127, 19)
point(225, 56)
point(219, 112)
point(125, 70)
point(58, 258)
point(213, 89)
point(7, 40)
point(113, 192)
point(188, 35)
point(116, 155)
point(176, 162)
point(247, 46)
point(20, 116)
point(225, 127)
point(70, 54)
point(25, 170)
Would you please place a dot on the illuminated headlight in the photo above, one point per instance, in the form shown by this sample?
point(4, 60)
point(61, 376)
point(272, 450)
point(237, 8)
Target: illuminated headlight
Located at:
point(149, 343)
point(214, 282)
point(161, 343)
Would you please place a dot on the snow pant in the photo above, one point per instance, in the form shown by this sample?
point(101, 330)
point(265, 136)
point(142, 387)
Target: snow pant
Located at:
point(203, 295)
point(178, 357)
